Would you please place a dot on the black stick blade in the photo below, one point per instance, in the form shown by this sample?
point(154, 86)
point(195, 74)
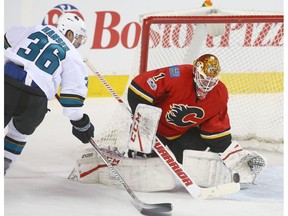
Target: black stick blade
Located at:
point(154, 209)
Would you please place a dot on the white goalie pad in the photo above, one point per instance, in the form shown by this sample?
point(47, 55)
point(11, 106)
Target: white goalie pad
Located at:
point(206, 168)
point(141, 174)
point(144, 127)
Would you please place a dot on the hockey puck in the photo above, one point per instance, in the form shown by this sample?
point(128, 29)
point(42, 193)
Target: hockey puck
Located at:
point(236, 177)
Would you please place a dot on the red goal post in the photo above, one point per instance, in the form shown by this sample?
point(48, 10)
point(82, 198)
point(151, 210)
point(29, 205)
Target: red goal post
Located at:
point(249, 45)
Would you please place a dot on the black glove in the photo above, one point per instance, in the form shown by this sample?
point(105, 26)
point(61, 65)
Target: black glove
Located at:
point(83, 129)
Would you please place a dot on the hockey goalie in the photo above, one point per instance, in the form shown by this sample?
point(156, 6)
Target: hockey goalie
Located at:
point(193, 123)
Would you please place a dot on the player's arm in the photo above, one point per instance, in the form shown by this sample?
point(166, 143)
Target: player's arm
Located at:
point(74, 87)
point(147, 88)
point(216, 132)
point(136, 95)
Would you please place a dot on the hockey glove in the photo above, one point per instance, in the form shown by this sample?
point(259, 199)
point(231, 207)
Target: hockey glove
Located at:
point(83, 129)
point(247, 164)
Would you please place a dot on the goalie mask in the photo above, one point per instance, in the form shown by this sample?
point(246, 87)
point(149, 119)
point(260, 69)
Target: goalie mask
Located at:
point(206, 74)
point(72, 22)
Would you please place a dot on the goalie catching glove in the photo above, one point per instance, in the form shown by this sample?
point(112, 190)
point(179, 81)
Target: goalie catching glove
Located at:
point(246, 163)
point(83, 129)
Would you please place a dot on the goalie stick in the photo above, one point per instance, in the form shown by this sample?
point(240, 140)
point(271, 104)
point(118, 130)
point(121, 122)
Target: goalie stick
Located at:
point(143, 208)
point(189, 184)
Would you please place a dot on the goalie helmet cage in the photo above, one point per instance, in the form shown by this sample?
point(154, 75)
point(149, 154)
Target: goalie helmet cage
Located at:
point(250, 51)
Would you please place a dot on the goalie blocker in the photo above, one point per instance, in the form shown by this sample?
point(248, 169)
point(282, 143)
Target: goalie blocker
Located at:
point(143, 129)
point(150, 174)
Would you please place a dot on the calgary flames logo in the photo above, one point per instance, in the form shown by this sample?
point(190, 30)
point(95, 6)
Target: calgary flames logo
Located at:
point(183, 115)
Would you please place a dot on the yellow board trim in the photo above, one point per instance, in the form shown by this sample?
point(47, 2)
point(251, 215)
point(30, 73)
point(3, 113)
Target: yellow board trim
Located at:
point(253, 83)
point(237, 83)
point(97, 89)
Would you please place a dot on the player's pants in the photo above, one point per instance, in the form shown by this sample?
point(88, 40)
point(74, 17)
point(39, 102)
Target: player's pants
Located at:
point(25, 108)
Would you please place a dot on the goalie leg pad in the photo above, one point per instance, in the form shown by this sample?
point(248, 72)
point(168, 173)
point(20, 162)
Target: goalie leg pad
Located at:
point(206, 168)
point(141, 174)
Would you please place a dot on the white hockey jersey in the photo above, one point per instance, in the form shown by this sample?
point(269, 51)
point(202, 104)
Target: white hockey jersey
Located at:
point(51, 61)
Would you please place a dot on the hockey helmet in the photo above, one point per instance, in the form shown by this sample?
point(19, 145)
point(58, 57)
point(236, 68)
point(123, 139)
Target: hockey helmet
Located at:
point(72, 22)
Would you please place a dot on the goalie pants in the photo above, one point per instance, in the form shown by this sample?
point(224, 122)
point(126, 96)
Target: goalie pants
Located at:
point(189, 140)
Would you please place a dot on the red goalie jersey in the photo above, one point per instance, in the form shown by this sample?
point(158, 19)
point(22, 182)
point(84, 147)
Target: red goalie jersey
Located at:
point(174, 91)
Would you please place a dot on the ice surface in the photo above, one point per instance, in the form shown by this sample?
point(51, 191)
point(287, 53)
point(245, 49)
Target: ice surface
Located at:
point(37, 184)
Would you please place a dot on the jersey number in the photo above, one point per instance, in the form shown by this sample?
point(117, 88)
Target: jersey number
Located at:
point(159, 76)
point(48, 60)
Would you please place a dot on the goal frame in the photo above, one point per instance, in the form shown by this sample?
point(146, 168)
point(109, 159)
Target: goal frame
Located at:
point(147, 22)
point(193, 17)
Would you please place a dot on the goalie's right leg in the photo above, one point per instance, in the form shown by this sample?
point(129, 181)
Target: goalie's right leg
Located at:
point(207, 169)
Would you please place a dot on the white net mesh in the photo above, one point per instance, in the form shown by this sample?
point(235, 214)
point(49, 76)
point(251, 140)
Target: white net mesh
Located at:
point(115, 133)
point(250, 52)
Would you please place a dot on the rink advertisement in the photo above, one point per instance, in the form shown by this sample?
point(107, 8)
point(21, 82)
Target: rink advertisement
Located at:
point(115, 28)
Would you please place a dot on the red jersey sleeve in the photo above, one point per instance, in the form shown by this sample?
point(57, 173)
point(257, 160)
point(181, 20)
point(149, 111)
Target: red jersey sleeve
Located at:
point(155, 86)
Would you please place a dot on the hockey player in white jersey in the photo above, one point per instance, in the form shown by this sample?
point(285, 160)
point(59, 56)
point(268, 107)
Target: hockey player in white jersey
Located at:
point(39, 60)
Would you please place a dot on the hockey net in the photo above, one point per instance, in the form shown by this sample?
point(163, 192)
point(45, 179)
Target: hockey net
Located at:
point(249, 46)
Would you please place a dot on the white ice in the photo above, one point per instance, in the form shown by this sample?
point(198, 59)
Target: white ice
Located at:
point(37, 184)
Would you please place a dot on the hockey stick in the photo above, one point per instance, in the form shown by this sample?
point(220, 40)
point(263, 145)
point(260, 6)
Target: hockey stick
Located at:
point(143, 208)
point(196, 191)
